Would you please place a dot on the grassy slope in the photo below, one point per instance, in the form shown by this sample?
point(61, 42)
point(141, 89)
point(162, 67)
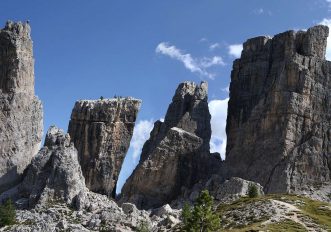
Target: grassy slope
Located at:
point(318, 212)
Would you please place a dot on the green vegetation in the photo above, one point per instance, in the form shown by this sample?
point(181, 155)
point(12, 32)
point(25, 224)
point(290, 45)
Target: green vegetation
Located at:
point(252, 191)
point(317, 211)
point(7, 213)
point(143, 227)
point(201, 218)
point(286, 225)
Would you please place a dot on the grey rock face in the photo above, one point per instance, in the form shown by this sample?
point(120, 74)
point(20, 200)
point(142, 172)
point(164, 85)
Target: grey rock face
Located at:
point(20, 110)
point(101, 131)
point(231, 189)
point(188, 111)
point(177, 152)
point(54, 173)
point(278, 123)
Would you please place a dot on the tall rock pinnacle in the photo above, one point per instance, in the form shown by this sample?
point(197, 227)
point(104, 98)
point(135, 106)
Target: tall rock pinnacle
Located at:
point(20, 110)
point(279, 116)
point(101, 131)
point(177, 153)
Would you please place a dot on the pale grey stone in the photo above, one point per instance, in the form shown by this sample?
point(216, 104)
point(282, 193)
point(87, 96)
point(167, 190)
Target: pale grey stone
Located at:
point(21, 114)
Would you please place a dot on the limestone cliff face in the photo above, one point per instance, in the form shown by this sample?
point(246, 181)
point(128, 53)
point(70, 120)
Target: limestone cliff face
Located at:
point(20, 110)
point(176, 156)
point(279, 116)
point(54, 173)
point(101, 131)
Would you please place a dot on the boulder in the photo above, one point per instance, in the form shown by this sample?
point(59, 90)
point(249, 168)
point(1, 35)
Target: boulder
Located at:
point(231, 189)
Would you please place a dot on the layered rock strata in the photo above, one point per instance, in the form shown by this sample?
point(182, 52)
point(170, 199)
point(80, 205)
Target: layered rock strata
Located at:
point(279, 115)
point(176, 155)
point(101, 131)
point(20, 110)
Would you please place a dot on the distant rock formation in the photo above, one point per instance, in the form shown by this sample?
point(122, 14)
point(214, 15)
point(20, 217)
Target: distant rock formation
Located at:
point(279, 116)
point(101, 131)
point(54, 173)
point(20, 110)
point(176, 155)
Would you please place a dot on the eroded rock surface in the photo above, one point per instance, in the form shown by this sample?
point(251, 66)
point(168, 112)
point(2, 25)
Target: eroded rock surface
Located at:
point(176, 156)
point(54, 173)
point(20, 110)
point(279, 116)
point(101, 131)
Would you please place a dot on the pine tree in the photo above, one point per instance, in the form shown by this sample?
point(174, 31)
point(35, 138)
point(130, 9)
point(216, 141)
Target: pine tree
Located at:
point(252, 191)
point(7, 213)
point(186, 216)
point(201, 218)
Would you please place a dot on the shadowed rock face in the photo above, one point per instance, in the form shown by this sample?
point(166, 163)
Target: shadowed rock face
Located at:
point(20, 110)
point(101, 131)
point(279, 115)
point(176, 156)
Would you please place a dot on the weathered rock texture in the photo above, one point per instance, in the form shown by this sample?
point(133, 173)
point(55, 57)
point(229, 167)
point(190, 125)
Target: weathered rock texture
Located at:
point(101, 131)
point(279, 116)
point(20, 109)
point(176, 155)
point(54, 173)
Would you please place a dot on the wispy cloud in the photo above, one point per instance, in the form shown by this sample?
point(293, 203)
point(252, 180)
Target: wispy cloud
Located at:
point(195, 65)
point(327, 22)
point(141, 133)
point(329, 4)
point(208, 62)
point(214, 46)
point(226, 89)
point(234, 50)
point(261, 11)
point(218, 110)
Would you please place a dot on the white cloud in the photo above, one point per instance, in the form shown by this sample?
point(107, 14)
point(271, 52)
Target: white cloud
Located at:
point(141, 133)
point(259, 11)
point(329, 3)
point(195, 65)
point(208, 62)
point(235, 50)
point(327, 22)
point(218, 110)
point(203, 39)
point(226, 89)
point(212, 47)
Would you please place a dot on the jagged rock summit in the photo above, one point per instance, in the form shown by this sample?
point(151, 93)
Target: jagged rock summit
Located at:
point(176, 156)
point(279, 115)
point(101, 131)
point(54, 173)
point(20, 110)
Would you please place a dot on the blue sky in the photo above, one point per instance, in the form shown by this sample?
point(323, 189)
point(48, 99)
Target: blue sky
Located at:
point(85, 49)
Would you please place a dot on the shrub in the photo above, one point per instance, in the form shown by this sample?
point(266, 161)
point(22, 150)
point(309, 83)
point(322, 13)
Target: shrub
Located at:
point(7, 213)
point(143, 227)
point(200, 218)
point(252, 191)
